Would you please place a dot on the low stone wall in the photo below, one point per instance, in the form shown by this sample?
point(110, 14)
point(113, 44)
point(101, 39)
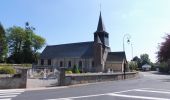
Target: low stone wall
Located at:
point(12, 82)
point(97, 77)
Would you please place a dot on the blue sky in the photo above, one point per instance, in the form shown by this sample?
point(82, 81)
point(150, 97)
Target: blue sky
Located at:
point(69, 21)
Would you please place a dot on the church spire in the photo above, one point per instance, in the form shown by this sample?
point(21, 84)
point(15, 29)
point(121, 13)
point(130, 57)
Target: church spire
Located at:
point(100, 26)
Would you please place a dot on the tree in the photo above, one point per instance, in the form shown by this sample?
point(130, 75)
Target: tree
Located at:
point(15, 39)
point(3, 44)
point(133, 65)
point(138, 61)
point(164, 50)
point(145, 59)
point(23, 44)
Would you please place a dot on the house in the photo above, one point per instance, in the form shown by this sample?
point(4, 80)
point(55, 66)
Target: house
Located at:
point(146, 67)
point(90, 56)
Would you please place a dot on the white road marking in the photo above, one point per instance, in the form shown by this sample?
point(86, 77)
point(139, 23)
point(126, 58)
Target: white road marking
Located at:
point(119, 94)
point(78, 97)
point(11, 93)
point(8, 94)
point(152, 91)
point(137, 97)
point(6, 99)
point(155, 89)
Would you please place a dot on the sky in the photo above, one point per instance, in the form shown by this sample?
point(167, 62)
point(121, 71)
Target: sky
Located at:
point(69, 21)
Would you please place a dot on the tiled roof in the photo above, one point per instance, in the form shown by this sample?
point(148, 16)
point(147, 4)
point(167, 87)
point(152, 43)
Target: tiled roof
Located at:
point(116, 56)
point(80, 49)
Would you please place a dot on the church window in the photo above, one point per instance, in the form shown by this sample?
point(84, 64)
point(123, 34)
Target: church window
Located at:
point(61, 64)
point(92, 64)
point(42, 61)
point(69, 64)
point(49, 61)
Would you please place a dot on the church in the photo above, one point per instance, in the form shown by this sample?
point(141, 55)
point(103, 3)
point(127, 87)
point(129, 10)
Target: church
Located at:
point(90, 56)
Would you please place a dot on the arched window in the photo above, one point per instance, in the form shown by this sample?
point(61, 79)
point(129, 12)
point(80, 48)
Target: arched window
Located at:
point(61, 64)
point(80, 64)
point(69, 64)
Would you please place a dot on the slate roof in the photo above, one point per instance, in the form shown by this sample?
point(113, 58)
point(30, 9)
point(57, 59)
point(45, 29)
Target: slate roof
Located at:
point(116, 56)
point(80, 49)
point(100, 27)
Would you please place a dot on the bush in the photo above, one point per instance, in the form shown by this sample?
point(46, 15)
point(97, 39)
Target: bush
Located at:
point(69, 72)
point(16, 65)
point(75, 69)
point(7, 70)
point(163, 67)
point(133, 65)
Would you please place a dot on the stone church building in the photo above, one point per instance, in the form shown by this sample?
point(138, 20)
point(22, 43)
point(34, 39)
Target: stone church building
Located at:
point(91, 56)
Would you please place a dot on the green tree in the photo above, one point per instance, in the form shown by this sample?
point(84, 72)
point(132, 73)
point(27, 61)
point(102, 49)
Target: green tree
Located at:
point(138, 61)
point(24, 44)
point(15, 37)
point(133, 65)
point(145, 59)
point(3, 44)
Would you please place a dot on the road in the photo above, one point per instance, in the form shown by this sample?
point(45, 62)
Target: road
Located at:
point(150, 86)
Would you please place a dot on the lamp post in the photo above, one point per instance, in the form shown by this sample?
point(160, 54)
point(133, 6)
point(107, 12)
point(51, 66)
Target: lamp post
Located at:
point(132, 49)
point(128, 41)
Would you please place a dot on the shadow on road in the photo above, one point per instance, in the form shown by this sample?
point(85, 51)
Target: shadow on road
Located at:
point(165, 80)
point(159, 73)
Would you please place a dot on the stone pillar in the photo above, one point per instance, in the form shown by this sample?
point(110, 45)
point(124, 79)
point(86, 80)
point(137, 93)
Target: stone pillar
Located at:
point(24, 78)
point(62, 76)
point(169, 65)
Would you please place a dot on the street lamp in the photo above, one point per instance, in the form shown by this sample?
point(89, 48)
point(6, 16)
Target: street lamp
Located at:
point(132, 50)
point(128, 41)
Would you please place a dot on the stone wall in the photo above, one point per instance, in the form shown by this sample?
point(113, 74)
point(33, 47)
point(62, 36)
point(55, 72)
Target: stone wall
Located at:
point(114, 66)
point(97, 77)
point(11, 82)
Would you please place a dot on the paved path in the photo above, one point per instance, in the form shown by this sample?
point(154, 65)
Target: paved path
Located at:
point(151, 86)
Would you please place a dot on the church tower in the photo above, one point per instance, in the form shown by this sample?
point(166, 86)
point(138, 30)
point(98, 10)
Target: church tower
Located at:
point(101, 32)
point(101, 46)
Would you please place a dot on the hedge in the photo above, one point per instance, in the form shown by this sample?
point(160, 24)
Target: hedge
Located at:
point(7, 70)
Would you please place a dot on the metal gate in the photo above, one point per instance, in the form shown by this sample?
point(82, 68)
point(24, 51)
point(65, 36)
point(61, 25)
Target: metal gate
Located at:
point(42, 78)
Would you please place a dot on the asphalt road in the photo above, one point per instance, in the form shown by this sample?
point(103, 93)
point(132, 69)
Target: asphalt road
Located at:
point(150, 86)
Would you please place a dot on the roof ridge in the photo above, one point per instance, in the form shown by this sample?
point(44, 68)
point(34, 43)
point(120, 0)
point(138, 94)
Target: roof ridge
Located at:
point(70, 43)
point(118, 52)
